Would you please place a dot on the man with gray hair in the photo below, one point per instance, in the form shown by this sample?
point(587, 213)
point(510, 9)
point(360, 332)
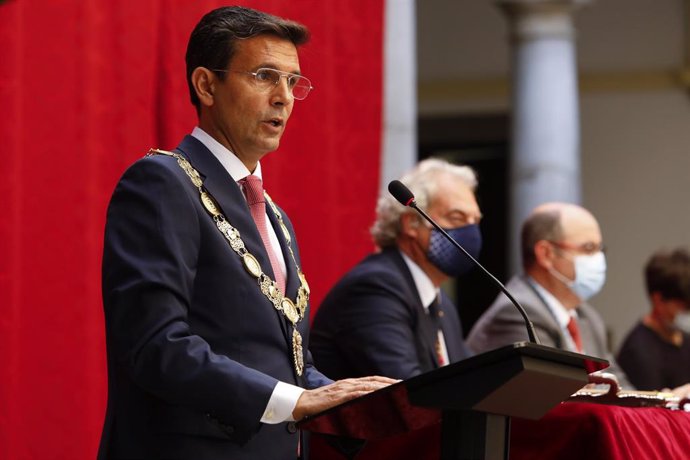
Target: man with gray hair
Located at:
point(388, 316)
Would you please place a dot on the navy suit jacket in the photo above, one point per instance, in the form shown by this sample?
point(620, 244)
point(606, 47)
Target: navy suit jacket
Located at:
point(194, 349)
point(373, 323)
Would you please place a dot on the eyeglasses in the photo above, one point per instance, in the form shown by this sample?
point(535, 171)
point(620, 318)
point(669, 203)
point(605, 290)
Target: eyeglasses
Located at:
point(586, 248)
point(266, 79)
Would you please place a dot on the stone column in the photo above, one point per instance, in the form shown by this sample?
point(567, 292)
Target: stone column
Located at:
point(545, 157)
point(400, 91)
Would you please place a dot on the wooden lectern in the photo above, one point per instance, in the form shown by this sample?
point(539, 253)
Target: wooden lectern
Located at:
point(474, 400)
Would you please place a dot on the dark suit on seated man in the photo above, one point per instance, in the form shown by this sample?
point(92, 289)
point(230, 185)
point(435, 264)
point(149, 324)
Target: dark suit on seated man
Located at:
point(205, 303)
point(387, 316)
point(564, 266)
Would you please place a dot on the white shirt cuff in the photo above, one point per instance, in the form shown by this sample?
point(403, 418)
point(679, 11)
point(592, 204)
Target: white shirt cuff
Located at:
point(282, 403)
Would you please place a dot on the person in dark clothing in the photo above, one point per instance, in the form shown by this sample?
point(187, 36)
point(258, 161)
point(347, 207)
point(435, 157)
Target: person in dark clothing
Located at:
point(656, 352)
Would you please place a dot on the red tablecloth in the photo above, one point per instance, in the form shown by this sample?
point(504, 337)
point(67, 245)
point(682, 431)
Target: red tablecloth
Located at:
point(596, 431)
point(569, 431)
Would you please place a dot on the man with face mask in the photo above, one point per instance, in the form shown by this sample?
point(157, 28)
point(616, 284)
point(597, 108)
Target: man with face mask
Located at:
point(388, 315)
point(564, 265)
point(656, 353)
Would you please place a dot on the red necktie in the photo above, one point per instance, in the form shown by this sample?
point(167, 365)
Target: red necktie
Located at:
point(574, 330)
point(254, 191)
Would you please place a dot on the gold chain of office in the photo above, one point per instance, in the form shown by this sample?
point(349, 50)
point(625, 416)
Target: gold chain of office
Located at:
point(292, 310)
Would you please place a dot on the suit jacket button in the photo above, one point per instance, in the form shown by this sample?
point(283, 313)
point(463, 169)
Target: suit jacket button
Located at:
point(291, 427)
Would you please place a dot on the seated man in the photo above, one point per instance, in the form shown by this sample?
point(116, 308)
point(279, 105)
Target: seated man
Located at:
point(388, 315)
point(656, 352)
point(564, 266)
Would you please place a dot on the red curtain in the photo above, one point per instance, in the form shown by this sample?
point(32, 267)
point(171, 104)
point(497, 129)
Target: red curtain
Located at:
point(87, 87)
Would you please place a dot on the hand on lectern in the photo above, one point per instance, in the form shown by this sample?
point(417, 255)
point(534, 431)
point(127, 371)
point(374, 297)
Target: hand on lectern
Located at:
point(319, 399)
point(682, 391)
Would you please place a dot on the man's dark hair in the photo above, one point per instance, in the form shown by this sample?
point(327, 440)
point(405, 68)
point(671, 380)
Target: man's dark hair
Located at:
point(213, 40)
point(668, 273)
point(543, 225)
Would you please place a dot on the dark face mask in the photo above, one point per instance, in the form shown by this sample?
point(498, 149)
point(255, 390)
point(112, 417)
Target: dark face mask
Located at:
point(449, 259)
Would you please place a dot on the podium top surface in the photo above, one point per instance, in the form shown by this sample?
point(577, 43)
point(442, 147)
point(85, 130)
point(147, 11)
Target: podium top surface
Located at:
point(523, 349)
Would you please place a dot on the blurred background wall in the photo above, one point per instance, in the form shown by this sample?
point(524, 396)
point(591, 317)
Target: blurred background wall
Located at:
point(632, 58)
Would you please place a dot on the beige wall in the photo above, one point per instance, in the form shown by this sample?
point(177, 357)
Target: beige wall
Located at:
point(636, 180)
point(635, 119)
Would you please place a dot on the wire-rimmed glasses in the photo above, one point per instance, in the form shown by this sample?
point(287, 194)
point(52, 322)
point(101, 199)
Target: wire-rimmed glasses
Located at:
point(267, 78)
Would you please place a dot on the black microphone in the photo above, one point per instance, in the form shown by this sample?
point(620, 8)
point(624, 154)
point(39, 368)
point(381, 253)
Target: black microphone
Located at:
point(405, 197)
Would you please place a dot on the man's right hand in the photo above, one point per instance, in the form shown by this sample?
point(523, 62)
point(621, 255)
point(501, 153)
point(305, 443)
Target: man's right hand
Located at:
point(319, 399)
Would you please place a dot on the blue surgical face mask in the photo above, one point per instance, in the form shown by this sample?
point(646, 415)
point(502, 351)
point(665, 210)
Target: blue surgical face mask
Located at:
point(449, 259)
point(590, 275)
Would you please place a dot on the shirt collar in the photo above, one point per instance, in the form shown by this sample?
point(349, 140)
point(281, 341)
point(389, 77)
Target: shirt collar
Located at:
point(228, 159)
point(426, 289)
point(561, 313)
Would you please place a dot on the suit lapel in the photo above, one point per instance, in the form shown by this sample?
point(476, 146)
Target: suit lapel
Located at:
point(292, 283)
point(231, 200)
point(427, 327)
point(229, 197)
point(291, 280)
point(450, 331)
point(291, 275)
point(430, 326)
point(592, 342)
point(548, 317)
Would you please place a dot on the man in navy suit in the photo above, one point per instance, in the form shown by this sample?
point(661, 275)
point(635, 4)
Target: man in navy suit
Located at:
point(206, 307)
point(387, 316)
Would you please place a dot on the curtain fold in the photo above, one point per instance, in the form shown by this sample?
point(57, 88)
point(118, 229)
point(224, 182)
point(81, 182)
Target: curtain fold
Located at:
point(86, 88)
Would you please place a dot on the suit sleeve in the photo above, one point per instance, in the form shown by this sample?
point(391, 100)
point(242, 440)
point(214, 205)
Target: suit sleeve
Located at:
point(312, 377)
point(505, 325)
point(151, 247)
point(376, 334)
point(452, 331)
